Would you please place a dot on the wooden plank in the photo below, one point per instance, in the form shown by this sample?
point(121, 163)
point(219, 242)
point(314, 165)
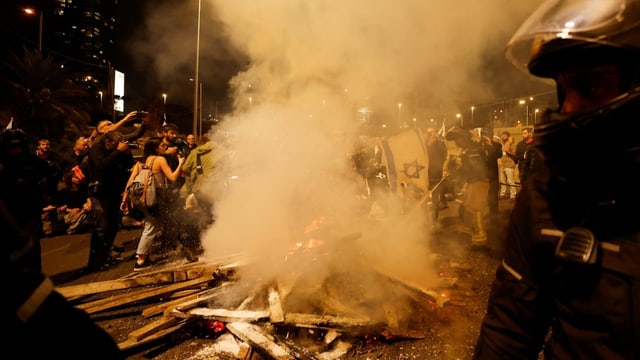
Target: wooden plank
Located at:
point(111, 285)
point(199, 298)
point(330, 336)
point(190, 304)
point(184, 293)
point(334, 306)
point(226, 315)
point(414, 287)
point(306, 320)
point(129, 298)
point(245, 303)
point(156, 278)
point(339, 350)
point(244, 351)
point(276, 314)
point(162, 323)
point(128, 344)
point(254, 335)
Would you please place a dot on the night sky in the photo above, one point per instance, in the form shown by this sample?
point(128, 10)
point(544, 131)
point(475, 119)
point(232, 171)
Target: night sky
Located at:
point(407, 52)
point(156, 49)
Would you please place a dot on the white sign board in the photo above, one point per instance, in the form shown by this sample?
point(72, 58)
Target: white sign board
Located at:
point(118, 91)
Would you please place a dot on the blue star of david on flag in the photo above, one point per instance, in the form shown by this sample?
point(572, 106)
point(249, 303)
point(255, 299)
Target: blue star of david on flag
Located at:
point(412, 169)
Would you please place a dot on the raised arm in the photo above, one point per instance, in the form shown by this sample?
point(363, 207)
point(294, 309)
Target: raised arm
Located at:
point(171, 175)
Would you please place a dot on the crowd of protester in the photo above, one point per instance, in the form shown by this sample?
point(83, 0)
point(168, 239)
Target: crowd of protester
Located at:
point(80, 192)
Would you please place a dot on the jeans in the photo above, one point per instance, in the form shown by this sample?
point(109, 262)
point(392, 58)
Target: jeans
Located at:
point(507, 182)
point(107, 210)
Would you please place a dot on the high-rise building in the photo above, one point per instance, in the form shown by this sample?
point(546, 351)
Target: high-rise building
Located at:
point(78, 33)
point(82, 32)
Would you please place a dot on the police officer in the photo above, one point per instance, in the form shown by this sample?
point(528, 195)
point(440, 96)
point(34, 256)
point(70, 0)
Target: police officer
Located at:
point(568, 283)
point(27, 184)
point(36, 321)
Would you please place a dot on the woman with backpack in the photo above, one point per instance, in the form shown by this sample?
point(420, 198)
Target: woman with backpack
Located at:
point(154, 216)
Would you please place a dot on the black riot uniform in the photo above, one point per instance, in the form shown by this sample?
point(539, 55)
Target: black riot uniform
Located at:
point(569, 283)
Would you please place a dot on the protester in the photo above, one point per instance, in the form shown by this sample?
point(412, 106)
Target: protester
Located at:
point(567, 286)
point(190, 145)
point(156, 219)
point(26, 186)
point(437, 153)
point(198, 210)
point(175, 148)
point(109, 162)
point(508, 189)
point(105, 126)
point(493, 151)
point(522, 155)
point(474, 172)
point(32, 311)
point(38, 322)
point(77, 157)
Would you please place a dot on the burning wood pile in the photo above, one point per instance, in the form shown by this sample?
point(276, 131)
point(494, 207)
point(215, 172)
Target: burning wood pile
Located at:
point(295, 316)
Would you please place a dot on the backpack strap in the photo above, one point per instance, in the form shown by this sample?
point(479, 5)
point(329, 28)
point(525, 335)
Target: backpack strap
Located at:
point(134, 173)
point(147, 179)
point(199, 161)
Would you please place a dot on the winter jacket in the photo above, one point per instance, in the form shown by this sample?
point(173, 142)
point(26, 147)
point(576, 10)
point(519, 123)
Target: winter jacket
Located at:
point(588, 311)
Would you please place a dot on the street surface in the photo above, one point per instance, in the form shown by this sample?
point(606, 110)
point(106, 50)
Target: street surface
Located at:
point(450, 330)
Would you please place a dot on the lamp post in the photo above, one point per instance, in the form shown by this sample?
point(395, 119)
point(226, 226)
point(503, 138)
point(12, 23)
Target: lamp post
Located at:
point(535, 115)
point(200, 96)
point(472, 109)
point(164, 108)
point(196, 81)
point(32, 11)
point(524, 102)
point(461, 119)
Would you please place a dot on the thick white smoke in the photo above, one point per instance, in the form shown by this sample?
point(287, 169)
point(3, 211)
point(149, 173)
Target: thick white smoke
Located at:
point(294, 123)
point(313, 63)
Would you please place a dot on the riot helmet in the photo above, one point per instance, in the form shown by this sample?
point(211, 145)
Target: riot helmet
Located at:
point(563, 33)
point(593, 155)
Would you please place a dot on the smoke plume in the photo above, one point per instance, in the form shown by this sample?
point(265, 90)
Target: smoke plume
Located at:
point(284, 147)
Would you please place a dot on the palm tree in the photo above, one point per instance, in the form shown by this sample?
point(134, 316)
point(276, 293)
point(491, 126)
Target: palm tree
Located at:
point(44, 100)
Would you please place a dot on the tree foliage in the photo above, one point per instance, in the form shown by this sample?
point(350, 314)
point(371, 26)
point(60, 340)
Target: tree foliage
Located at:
point(43, 98)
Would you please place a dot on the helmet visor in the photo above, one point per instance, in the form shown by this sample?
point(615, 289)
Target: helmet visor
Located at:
point(606, 22)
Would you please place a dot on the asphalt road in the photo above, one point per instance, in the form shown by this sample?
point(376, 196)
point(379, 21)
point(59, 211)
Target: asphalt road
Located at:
point(64, 257)
point(451, 331)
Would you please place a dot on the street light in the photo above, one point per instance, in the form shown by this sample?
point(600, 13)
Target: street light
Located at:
point(30, 12)
point(535, 115)
point(472, 108)
point(460, 118)
point(524, 102)
point(164, 108)
point(196, 81)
